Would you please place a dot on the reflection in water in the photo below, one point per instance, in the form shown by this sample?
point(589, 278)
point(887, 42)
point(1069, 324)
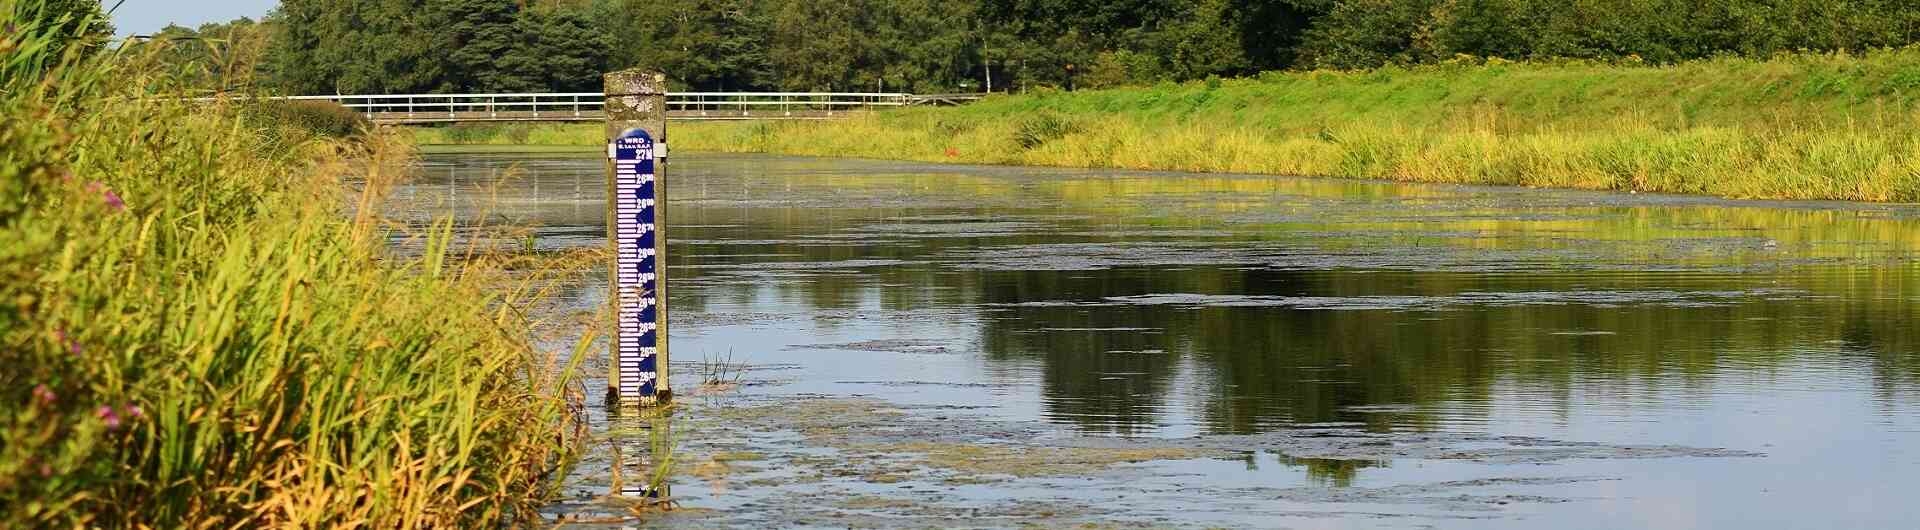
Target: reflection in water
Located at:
point(1144, 304)
point(637, 471)
point(1327, 471)
point(1272, 366)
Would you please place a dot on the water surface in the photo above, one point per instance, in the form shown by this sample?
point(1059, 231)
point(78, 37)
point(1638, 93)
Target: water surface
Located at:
point(1517, 358)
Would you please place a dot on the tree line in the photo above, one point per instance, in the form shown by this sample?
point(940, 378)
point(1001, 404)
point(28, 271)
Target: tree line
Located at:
point(928, 46)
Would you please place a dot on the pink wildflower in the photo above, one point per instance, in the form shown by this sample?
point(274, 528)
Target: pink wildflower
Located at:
point(72, 346)
point(109, 417)
point(43, 395)
point(112, 199)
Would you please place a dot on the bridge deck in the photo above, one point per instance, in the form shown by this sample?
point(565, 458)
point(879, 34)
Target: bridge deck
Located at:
point(584, 106)
point(411, 118)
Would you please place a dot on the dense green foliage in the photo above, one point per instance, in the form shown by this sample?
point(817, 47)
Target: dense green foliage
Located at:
point(408, 46)
point(928, 46)
point(202, 326)
point(421, 46)
point(1367, 33)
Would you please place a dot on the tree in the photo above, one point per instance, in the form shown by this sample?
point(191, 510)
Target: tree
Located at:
point(931, 46)
point(340, 46)
point(216, 57)
point(700, 44)
point(1270, 31)
point(1132, 41)
point(568, 50)
point(355, 47)
point(436, 46)
point(822, 45)
point(1366, 33)
point(479, 39)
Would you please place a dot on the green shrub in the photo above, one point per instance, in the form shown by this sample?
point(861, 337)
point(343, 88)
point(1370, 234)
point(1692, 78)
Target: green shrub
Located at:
point(472, 133)
point(322, 118)
point(1040, 128)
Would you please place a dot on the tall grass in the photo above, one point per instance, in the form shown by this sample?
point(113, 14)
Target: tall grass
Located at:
point(578, 134)
point(201, 325)
point(323, 118)
point(1808, 126)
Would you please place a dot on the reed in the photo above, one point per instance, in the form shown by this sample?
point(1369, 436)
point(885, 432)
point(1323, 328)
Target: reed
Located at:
point(203, 323)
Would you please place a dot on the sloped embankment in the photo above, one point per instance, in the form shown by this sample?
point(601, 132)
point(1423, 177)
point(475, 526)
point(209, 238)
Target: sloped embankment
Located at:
point(1808, 126)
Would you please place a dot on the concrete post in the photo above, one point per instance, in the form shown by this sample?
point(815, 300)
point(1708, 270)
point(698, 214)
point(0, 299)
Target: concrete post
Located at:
point(636, 109)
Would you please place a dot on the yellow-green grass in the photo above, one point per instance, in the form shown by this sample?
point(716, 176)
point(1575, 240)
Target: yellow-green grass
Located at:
point(511, 134)
point(1810, 126)
point(507, 148)
point(202, 325)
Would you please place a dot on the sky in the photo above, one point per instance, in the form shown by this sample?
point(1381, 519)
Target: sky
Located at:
point(142, 17)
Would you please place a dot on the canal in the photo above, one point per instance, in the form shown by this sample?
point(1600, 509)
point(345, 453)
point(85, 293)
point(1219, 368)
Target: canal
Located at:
point(914, 345)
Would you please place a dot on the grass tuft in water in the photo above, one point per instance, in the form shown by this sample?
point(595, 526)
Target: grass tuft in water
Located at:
point(719, 374)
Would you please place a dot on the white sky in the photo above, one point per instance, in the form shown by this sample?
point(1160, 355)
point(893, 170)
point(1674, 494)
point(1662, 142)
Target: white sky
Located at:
point(141, 17)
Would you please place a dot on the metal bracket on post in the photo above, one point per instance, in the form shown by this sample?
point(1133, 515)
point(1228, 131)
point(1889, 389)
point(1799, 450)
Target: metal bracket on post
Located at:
point(636, 225)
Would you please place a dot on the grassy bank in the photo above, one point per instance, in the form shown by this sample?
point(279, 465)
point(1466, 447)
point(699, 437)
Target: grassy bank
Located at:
point(543, 135)
point(1793, 127)
point(202, 326)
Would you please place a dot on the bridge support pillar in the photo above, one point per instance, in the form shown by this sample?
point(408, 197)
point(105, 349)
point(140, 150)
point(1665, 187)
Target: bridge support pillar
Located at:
point(636, 113)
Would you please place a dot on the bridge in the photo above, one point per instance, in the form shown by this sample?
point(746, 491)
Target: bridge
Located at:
point(587, 106)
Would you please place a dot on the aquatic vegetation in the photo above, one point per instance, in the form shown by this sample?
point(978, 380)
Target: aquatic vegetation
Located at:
point(863, 462)
point(203, 325)
point(974, 460)
point(720, 374)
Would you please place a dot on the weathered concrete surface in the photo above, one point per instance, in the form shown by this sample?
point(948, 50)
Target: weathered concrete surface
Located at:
point(637, 99)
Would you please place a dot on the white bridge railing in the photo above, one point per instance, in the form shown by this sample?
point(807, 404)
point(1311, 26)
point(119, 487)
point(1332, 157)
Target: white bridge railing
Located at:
point(423, 108)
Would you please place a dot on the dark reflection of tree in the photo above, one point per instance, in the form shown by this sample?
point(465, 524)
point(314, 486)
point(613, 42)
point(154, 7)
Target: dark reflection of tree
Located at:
point(1332, 472)
point(1883, 335)
point(1285, 366)
point(1118, 394)
point(1106, 369)
point(1269, 367)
